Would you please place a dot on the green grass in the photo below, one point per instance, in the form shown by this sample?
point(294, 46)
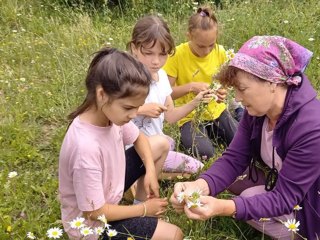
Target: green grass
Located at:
point(45, 50)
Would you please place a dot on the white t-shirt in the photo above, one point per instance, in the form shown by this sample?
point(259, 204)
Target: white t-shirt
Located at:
point(159, 91)
point(92, 169)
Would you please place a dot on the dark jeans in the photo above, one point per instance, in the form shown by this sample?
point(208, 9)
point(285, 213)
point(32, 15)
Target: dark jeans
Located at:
point(199, 140)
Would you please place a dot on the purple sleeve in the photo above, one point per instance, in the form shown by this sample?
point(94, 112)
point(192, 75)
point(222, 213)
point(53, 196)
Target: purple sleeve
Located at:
point(233, 162)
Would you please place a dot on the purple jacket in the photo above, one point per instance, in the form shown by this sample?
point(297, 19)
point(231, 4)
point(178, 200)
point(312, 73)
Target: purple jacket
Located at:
point(297, 141)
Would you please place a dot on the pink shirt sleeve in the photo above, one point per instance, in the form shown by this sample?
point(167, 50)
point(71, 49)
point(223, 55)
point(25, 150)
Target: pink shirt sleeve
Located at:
point(130, 133)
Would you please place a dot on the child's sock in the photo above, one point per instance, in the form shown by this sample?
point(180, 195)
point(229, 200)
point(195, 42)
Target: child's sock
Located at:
point(135, 201)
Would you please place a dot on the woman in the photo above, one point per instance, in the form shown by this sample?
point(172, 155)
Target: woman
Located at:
point(279, 132)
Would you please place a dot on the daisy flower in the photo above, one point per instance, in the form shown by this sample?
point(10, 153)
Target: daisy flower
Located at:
point(12, 174)
point(86, 231)
point(112, 233)
point(102, 218)
point(54, 233)
point(98, 230)
point(230, 54)
point(264, 219)
point(181, 197)
point(77, 223)
point(292, 225)
point(30, 235)
point(297, 208)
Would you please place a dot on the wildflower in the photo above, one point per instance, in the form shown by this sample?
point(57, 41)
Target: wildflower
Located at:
point(264, 219)
point(230, 54)
point(14, 31)
point(297, 208)
point(285, 21)
point(311, 39)
point(242, 177)
point(102, 218)
point(30, 235)
point(12, 174)
point(195, 3)
point(108, 43)
point(77, 223)
point(54, 233)
point(98, 230)
point(130, 238)
point(112, 233)
point(215, 86)
point(181, 197)
point(9, 229)
point(22, 79)
point(86, 231)
point(110, 39)
point(194, 204)
point(292, 225)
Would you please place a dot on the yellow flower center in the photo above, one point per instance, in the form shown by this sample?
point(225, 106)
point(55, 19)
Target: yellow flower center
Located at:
point(292, 226)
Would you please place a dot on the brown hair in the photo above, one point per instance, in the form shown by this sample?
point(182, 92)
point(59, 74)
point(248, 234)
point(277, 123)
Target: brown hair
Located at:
point(118, 73)
point(150, 30)
point(203, 19)
point(227, 76)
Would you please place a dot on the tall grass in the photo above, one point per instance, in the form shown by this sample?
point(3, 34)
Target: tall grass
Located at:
point(45, 49)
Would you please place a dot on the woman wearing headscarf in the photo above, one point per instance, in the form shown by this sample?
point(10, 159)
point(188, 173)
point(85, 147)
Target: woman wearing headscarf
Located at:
point(275, 150)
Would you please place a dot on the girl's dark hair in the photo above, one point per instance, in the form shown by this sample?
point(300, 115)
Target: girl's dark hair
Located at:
point(150, 30)
point(203, 19)
point(118, 73)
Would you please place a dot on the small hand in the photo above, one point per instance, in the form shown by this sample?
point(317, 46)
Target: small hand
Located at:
point(152, 109)
point(156, 206)
point(151, 184)
point(197, 87)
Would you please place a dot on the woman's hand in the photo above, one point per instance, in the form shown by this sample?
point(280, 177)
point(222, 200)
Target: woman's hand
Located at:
point(211, 207)
point(155, 207)
point(187, 187)
point(152, 110)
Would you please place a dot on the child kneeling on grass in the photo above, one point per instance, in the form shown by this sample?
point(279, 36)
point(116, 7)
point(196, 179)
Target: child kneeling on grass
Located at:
point(94, 168)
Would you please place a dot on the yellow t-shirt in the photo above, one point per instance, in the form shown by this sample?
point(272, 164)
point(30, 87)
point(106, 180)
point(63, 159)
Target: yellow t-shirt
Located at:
point(186, 67)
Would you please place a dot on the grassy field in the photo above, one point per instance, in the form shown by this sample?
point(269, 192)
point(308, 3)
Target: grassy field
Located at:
point(45, 49)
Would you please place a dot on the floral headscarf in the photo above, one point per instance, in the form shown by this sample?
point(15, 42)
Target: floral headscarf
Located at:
point(273, 58)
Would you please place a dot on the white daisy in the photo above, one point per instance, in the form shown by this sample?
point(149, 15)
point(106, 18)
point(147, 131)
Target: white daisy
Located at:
point(30, 235)
point(292, 225)
point(112, 233)
point(86, 231)
point(181, 197)
point(12, 174)
point(54, 233)
point(297, 208)
point(98, 230)
point(77, 223)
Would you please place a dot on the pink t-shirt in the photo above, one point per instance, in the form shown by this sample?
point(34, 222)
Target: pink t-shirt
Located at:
point(92, 169)
point(266, 147)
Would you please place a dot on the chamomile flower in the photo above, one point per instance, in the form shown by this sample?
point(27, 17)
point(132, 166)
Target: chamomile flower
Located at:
point(215, 86)
point(77, 223)
point(264, 219)
point(297, 208)
point(85, 231)
point(292, 225)
point(54, 233)
point(12, 174)
point(98, 230)
point(311, 39)
point(102, 218)
point(30, 235)
point(112, 233)
point(180, 197)
point(194, 204)
point(230, 54)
